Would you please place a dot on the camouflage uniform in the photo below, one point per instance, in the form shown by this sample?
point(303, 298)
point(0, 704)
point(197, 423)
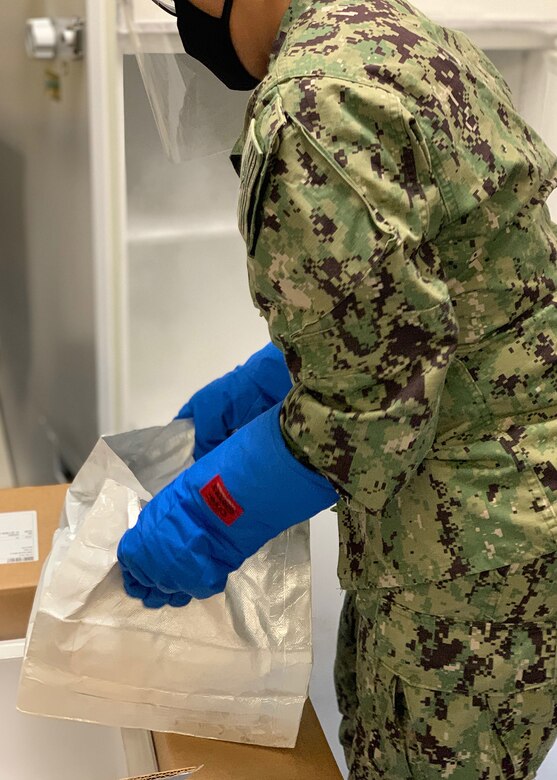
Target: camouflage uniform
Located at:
point(393, 206)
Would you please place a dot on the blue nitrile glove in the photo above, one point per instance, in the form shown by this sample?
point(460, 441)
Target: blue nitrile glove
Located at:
point(233, 400)
point(217, 513)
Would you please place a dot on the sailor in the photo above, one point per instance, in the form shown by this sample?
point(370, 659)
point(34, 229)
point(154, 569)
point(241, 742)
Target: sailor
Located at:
point(393, 206)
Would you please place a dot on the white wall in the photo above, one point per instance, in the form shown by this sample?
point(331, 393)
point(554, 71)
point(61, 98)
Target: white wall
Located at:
point(47, 369)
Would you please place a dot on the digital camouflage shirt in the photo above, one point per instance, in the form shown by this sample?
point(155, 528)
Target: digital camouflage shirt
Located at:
point(393, 206)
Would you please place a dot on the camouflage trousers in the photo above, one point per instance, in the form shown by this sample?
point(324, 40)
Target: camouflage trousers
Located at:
point(452, 679)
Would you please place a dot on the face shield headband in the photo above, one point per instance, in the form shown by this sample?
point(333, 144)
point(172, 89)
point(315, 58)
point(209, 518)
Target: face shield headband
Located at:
point(169, 7)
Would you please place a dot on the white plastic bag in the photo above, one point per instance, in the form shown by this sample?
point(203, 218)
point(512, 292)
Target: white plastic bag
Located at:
point(234, 667)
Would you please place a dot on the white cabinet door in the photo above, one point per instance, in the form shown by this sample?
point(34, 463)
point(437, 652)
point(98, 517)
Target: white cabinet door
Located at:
point(173, 308)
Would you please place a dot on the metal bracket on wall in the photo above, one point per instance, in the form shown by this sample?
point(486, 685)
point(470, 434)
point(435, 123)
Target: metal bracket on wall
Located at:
point(55, 38)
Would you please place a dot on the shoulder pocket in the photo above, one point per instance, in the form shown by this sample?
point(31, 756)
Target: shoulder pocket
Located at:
point(262, 141)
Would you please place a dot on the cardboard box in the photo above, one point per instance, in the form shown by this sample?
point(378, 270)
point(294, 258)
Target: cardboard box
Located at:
point(18, 581)
point(221, 760)
point(311, 758)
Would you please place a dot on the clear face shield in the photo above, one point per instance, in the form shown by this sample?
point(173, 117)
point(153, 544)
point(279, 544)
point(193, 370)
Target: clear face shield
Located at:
point(195, 114)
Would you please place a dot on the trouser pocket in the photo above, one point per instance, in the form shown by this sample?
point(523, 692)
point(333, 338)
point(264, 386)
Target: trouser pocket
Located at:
point(345, 671)
point(442, 698)
point(453, 735)
point(380, 726)
point(526, 724)
point(408, 732)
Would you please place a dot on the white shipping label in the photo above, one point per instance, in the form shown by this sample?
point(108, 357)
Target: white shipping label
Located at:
point(18, 537)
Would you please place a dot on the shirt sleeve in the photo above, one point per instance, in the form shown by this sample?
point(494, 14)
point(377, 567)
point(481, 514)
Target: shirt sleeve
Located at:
point(345, 268)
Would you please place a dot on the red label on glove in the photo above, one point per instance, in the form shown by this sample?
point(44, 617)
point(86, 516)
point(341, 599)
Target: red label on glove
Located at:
point(219, 501)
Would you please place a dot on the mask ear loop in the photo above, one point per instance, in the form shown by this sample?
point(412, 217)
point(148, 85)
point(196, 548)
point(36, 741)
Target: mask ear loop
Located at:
point(225, 22)
point(226, 11)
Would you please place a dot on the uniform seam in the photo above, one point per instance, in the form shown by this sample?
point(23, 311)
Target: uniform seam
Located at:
point(487, 621)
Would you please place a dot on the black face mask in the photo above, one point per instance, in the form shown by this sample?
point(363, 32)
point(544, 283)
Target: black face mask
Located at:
point(208, 40)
